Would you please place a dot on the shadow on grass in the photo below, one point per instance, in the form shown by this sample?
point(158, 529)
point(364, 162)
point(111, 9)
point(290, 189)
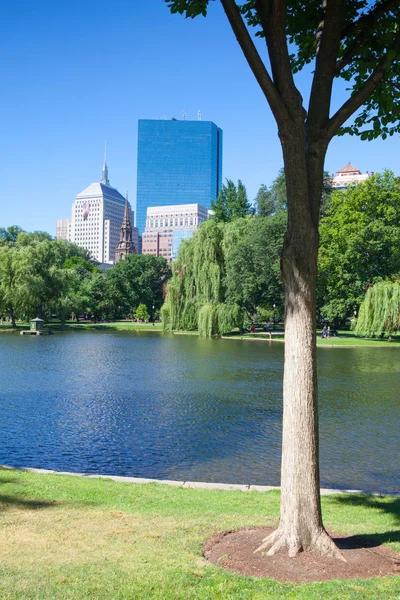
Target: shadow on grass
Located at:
point(7, 502)
point(368, 540)
point(371, 540)
point(4, 480)
point(391, 506)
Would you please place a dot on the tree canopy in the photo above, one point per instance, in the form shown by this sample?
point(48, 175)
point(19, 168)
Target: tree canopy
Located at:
point(359, 243)
point(224, 273)
point(40, 276)
point(231, 203)
point(138, 279)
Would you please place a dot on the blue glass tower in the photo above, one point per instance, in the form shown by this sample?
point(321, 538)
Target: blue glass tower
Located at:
point(179, 162)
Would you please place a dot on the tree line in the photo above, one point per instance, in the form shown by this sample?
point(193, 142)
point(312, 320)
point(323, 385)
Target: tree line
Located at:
point(44, 277)
point(230, 269)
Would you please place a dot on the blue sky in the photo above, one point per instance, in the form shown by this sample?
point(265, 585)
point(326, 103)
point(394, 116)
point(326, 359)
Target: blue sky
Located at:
point(74, 73)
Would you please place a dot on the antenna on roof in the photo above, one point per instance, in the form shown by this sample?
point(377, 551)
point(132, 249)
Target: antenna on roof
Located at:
point(184, 114)
point(198, 115)
point(105, 151)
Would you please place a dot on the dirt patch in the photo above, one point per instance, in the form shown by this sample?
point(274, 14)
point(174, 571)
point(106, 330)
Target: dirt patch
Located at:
point(234, 551)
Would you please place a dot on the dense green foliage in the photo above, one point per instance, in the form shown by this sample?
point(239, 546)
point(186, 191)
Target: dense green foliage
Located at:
point(141, 313)
point(225, 272)
point(232, 202)
point(359, 243)
point(272, 200)
point(33, 279)
point(40, 276)
point(139, 279)
point(380, 311)
point(230, 269)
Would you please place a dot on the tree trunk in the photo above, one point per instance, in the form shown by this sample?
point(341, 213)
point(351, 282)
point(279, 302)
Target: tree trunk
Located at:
point(300, 526)
point(12, 316)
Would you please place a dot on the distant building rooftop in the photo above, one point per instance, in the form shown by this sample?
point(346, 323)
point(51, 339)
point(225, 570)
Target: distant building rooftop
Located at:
point(99, 189)
point(348, 175)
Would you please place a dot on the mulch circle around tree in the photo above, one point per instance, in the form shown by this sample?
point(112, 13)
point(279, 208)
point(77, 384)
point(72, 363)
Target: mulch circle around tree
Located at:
point(234, 551)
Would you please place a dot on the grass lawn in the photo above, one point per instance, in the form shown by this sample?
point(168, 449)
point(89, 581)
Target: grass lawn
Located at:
point(344, 338)
point(83, 325)
point(65, 537)
point(120, 325)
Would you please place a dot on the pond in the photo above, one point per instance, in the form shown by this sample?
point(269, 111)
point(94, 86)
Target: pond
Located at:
point(179, 407)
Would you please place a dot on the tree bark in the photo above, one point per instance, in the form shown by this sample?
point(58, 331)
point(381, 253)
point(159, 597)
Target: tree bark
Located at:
point(300, 526)
point(12, 315)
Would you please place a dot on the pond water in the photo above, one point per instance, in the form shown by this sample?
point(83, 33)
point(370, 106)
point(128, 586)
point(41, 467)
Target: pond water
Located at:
point(179, 407)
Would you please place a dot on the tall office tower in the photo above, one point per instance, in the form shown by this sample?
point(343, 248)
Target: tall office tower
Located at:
point(97, 214)
point(179, 162)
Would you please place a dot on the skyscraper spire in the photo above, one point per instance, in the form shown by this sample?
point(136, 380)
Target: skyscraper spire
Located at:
point(125, 245)
point(104, 171)
point(127, 220)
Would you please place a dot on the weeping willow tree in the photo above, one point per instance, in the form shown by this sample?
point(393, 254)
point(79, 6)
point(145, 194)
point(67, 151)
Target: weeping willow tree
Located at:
point(196, 292)
point(380, 311)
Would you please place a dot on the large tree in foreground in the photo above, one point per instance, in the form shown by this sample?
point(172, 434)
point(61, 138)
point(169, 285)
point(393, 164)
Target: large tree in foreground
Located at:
point(359, 41)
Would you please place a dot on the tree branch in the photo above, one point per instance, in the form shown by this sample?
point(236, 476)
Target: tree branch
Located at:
point(254, 60)
point(272, 15)
point(328, 40)
point(362, 95)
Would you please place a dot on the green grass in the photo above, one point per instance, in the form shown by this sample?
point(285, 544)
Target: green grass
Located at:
point(346, 338)
point(119, 325)
point(88, 325)
point(66, 537)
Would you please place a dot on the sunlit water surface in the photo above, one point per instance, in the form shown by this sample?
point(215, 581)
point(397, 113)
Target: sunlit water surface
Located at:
point(179, 407)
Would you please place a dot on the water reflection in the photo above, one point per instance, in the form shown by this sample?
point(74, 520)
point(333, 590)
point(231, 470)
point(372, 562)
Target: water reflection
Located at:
point(185, 408)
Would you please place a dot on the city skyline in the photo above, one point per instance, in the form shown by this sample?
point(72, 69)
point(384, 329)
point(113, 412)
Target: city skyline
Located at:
point(67, 88)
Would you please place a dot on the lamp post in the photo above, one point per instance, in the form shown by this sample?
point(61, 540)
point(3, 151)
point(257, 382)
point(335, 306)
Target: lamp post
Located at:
point(153, 316)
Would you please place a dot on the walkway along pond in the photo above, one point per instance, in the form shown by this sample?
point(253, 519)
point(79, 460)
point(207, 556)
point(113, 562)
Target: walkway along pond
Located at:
point(179, 407)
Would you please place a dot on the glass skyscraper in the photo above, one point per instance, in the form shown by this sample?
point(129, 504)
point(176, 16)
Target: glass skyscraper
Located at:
point(179, 162)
